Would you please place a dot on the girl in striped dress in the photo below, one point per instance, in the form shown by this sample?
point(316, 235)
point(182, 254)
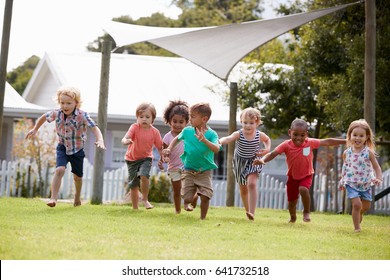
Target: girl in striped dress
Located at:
point(250, 144)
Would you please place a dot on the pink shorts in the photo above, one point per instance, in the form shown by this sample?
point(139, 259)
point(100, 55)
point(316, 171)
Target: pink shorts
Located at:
point(293, 186)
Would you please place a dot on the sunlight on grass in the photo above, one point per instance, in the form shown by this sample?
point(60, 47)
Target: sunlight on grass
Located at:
point(30, 230)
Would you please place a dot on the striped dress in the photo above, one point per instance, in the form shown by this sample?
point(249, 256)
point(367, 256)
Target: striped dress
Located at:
point(244, 155)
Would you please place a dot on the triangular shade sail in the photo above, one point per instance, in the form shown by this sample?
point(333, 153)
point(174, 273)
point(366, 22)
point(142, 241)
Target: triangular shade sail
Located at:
point(216, 49)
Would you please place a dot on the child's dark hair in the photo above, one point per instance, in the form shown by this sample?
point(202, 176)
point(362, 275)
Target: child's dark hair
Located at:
point(201, 108)
point(176, 107)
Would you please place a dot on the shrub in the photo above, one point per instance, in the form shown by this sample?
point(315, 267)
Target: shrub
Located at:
point(160, 188)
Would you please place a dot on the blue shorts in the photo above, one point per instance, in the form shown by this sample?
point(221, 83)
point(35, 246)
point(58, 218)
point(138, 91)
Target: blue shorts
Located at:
point(76, 160)
point(354, 193)
point(136, 169)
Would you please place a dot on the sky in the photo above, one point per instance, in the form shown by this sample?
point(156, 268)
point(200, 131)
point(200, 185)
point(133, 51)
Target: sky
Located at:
point(40, 26)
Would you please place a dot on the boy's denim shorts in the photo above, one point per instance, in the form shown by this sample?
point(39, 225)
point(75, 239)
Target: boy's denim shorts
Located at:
point(353, 193)
point(76, 160)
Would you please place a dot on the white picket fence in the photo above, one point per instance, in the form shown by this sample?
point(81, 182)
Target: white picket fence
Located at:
point(272, 193)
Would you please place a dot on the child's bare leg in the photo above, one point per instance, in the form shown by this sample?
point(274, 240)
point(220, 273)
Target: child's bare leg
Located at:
point(252, 193)
point(292, 208)
point(55, 185)
point(194, 201)
point(244, 197)
point(134, 195)
point(356, 212)
point(145, 192)
point(204, 206)
point(305, 196)
point(366, 204)
point(176, 185)
point(78, 183)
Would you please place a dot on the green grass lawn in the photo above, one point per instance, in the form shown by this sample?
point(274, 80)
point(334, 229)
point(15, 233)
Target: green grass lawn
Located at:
point(30, 230)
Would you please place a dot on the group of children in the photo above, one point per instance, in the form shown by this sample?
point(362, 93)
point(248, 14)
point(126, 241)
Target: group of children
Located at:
point(189, 152)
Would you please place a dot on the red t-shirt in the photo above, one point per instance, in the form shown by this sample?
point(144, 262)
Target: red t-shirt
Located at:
point(299, 159)
point(143, 141)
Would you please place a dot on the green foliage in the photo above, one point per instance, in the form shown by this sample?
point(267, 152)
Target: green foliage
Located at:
point(117, 232)
point(19, 77)
point(160, 188)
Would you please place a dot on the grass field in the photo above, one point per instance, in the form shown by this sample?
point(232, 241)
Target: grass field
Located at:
point(30, 230)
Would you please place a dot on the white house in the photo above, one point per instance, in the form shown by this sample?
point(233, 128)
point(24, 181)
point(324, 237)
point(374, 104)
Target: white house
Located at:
point(15, 107)
point(133, 79)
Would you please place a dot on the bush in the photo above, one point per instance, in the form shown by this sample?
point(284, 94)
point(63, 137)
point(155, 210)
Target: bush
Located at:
point(160, 188)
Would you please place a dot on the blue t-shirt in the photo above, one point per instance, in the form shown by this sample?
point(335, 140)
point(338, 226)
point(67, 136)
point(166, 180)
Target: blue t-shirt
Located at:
point(197, 156)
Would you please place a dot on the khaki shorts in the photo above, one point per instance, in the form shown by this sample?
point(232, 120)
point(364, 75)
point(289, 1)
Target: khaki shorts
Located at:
point(175, 175)
point(196, 182)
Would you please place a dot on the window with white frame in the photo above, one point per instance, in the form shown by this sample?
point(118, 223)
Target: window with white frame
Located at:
point(118, 149)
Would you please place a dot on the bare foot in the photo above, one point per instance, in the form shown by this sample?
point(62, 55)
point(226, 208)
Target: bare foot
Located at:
point(306, 217)
point(293, 219)
point(77, 203)
point(250, 216)
point(148, 205)
point(188, 207)
point(51, 203)
point(358, 230)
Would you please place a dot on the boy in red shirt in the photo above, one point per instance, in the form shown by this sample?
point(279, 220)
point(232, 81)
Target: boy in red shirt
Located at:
point(140, 138)
point(299, 159)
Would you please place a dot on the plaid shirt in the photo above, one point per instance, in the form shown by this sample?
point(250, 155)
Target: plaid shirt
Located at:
point(71, 130)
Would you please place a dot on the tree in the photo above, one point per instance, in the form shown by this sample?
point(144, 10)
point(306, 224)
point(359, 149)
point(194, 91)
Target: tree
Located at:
point(20, 76)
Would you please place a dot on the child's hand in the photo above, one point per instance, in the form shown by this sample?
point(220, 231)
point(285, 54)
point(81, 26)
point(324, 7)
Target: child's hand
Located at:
point(262, 152)
point(31, 133)
point(341, 185)
point(377, 182)
point(127, 141)
point(100, 144)
point(258, 161)
point(200, 134)
point(166, 152)
point(160, 164)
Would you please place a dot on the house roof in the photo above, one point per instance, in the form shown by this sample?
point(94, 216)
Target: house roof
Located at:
point(132, 79)
point(16, 106)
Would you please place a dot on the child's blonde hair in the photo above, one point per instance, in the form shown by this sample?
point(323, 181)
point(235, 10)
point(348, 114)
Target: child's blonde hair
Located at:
point(146, 106)
point(71, 92)
point(362, 123)
point(251, 113)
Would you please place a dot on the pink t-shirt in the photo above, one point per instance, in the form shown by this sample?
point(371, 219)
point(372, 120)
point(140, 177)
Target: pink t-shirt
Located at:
point(143, 141)
point(174, 157)
point(299, 159)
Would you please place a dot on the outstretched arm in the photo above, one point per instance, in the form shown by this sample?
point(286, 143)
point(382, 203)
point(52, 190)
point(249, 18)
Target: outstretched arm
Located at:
point(332, 141)
point(266, 158)
point(36, 127)
point(99, 137)
point(227, 139)
point(267, 144)
point(166, 152)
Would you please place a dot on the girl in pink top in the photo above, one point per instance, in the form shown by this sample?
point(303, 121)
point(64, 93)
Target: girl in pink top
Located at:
point(176, 115)
point(299, 158)
point(140, 138)
point(360, 169)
